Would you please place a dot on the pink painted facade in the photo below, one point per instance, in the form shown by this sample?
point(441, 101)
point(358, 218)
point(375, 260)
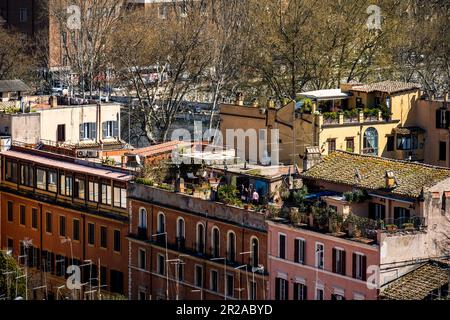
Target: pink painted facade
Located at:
point(291, 276)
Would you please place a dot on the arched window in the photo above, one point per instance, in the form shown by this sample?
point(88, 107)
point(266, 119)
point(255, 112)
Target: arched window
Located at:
point(215, 241)
point(161, 223)
point(231, 246)
point(254, 249)
point(180, 228)
point(370, 145)
point(200, 242)
point(142, 218)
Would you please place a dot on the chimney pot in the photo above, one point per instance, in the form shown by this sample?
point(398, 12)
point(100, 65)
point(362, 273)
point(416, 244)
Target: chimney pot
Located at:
point(270, 103)
point(239, 99)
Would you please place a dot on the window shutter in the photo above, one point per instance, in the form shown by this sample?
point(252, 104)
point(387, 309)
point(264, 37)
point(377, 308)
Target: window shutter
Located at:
point(94, 130)
point(286, 290)
point(334, 260)
point(354, 265)
point(303, 257)
point(296, 288)
point(296, 251)
point(364, 268)
point(277, 288)
point(438, 118)
point(105, 129)
point(344, 258)
point(305, 292)
point(81, 131)
point(116, 129)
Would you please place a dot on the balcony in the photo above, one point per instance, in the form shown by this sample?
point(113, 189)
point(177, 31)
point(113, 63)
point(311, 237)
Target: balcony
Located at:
point(181, 243)
point(142, 233)
point(348, 117)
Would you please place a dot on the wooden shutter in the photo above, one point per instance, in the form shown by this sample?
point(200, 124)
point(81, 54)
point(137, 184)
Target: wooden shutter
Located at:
point(286, 290)
point(296, 251)
point(296, 288)
point(303, 247)
point(344, 257)
point(277, 288)
point(354, 265)
point(81, 131)
point(305, 292)
point(364, 268)
point(115, 129)
point(334, 260)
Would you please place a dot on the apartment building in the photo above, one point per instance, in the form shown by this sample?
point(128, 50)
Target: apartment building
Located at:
point(79, 126)
point(58, 211)
point(366, 222)
point(371, 119)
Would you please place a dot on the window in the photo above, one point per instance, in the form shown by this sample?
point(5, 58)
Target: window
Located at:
point(338, 261)
point(142, 259)
point(41, 179)
point(11, 171)
point(281, 289)
point(442, 151)
point(331, 145)
point(48, 224)
point(319, 293)
point(10, 211)
point(10, 244)
point(23, 14)
point(60, 265)
point(442, 119)
point(103, 237)
point(161, 265)
point(116, 279)
point(103, 275)
point(161, 223)
point(76, 230)
point(254, 245)
point(198, 276)
point(110, 129)
point(142, 218)
point(62, 226)
point(120, 197)
point(200, 238)
point(180, 228)
point(91, 234)
point(215, 239)
point(231, 246)
point(22, 216)
point(404, 142)
point(79, 188)
point(230, 285)
point(34, 218)
point(377, 211)
point(180, 271)
point(93, 191)
point(52, 181)
point(390, 143)
point(299, 251)
point(281, 246)
point(117, 240)
point(370, 145)
point(106, 194)
point(88, 131)
point(66, 185)
point(26, 175)
point(61, 133)
point(142, 295)
point(359, 262)
point(214, 282)
point(300, 291)
point(319, 256)
point(401, 215)
point(350, 144)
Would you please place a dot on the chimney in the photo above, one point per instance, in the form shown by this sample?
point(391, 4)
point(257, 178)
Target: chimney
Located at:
point(445, 97)
point(53, 101)
point(255, 103)
point(270, 103)
point(239, 99)
point(311, 158)
point(390, 180)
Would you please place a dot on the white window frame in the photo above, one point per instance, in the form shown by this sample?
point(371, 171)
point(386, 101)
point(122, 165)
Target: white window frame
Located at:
point(359, 265)
point(300, 257)
point(316, 255)
point(285, 245)
point(183, 233)
point(211, 280)
point(158, 222)
point(142, 218)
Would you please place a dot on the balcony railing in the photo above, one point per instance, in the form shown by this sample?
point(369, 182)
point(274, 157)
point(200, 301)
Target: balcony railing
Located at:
point(142, 233)
point(181, 243)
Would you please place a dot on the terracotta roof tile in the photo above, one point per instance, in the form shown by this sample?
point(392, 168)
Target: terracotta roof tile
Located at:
point(387, 86)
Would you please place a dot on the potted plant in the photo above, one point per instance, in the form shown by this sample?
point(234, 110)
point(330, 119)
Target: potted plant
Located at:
point(391, 227)
point(408, 226)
